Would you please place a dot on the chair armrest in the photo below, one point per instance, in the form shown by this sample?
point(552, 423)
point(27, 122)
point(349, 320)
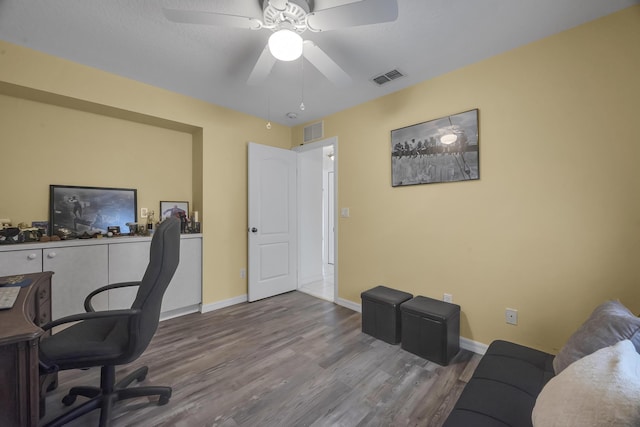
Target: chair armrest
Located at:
point(130, 312)
point(87, 301)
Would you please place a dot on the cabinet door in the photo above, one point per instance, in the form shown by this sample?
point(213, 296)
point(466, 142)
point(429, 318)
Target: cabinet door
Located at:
point(127, 263)
point(78, 271)
point(20, 262)
point(185, 289)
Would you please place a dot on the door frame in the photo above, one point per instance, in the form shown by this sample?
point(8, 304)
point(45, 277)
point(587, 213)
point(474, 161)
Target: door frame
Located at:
point(312, 146)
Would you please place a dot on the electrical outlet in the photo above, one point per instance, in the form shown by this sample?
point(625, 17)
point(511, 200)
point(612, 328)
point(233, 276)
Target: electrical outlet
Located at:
point(243, 273)
point(447, 298)
point(344, 212)
point(144, 212)
point(511, 316)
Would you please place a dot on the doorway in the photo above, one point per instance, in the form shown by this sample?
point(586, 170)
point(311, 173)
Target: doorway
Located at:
point(317, 174)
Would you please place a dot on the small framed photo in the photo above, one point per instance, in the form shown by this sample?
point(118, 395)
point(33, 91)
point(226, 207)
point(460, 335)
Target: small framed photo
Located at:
point(43, 226)
point(177, 209)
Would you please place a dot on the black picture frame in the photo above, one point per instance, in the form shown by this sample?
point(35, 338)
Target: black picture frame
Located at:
point(421, 153)
point(74, 210)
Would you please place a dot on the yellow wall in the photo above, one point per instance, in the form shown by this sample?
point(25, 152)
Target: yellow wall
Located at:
point(552, 228)
point(62, 109)
point(47, 144)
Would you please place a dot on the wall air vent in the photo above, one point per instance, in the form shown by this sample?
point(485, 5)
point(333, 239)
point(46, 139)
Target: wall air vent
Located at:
point(314, 131)
point(387, 77)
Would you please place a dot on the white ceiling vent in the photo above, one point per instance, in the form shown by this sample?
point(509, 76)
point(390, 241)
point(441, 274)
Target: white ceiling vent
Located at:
point(314, 131)
point(387, 77)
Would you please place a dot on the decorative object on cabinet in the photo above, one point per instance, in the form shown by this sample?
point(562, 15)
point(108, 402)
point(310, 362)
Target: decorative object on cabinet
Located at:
point(10, 235)
point(440, 150)
point(31, 234)
point(74, 210)
point(114, 230)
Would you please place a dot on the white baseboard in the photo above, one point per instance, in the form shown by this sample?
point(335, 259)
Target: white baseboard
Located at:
point(465, 343)
point(179, 312)
point(224, 303)
point(309, 280)
point(474, 346)
point(349, 304)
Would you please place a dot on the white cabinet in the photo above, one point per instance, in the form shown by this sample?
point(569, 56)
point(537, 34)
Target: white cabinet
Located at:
point(127, 263)
point(20, 262)
point(78, 271)
point(81, 266)
point(181, 294)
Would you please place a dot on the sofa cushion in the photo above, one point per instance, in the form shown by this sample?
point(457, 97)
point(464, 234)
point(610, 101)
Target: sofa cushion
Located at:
point(503, 389)
point(609, 323)
point(601, 389)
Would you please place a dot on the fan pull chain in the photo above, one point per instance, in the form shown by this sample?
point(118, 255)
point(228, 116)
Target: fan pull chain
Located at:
point(268, 126)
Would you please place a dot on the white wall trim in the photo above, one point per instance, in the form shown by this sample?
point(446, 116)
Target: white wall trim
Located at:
point(179, 312)
point(310, 279)
point(310, 146)
point(224, 303)
point(349, 304)
point(475, 346)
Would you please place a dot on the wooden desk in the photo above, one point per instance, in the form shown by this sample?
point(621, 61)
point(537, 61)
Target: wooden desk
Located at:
point(19, 336)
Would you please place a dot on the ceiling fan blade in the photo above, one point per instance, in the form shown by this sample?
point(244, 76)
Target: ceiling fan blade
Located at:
point(263, 67)
point(364, 12)
point(211, 18)
point(325, 65)
point(326, 4)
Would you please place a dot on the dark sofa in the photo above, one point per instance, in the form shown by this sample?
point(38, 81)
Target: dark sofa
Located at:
point(503, 389)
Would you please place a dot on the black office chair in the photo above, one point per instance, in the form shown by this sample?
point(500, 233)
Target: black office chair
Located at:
point(115, 337)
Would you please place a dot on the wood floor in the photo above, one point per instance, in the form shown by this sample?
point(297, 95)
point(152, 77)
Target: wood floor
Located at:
point(290, 360)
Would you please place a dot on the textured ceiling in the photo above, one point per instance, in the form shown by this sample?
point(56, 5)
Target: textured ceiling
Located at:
point(132, 38)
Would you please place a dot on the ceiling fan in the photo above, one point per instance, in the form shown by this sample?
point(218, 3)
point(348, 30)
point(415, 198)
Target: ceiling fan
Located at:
point(288, 19)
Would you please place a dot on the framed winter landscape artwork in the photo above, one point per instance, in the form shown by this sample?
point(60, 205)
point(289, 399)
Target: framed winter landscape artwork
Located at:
point(440, 150)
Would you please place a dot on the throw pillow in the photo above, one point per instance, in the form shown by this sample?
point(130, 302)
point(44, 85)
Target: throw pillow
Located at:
point(602, 389)
point(609, 323)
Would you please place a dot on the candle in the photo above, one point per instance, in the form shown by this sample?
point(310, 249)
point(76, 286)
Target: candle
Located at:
point(195, 216)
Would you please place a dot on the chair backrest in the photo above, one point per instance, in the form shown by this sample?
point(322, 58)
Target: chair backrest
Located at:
point(164, 257)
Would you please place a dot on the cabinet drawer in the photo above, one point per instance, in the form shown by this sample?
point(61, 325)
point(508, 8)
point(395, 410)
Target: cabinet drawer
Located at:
point(20, 262)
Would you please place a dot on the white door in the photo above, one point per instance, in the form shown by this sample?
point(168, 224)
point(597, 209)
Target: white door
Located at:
point(272, 229)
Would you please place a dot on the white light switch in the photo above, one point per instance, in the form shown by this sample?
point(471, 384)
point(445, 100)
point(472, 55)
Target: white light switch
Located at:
point(344, 212)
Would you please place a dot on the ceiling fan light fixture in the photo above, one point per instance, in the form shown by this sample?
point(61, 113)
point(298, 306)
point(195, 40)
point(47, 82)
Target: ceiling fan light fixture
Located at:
point(285, 45)
point(449, 138)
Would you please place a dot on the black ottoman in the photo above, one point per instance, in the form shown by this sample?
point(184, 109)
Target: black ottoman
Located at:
point(431, 329)
point(381, 313)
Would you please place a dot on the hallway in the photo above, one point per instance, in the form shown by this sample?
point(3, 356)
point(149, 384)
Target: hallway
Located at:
point(324, 288)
